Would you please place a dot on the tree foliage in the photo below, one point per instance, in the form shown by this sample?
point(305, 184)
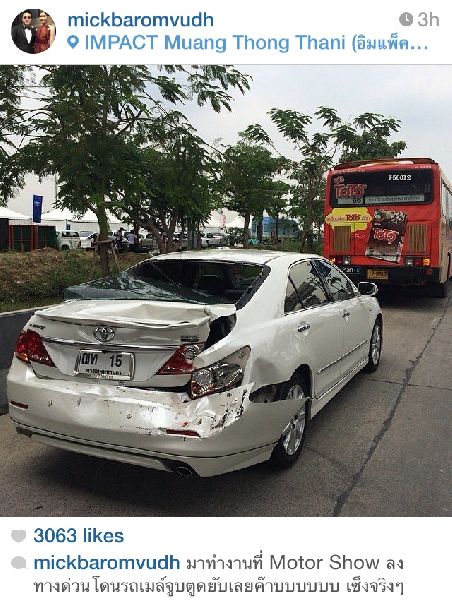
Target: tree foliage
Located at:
point(366, 137)
point(12, 129)
point(95, 120)
point(179, 181)
point(250, 178)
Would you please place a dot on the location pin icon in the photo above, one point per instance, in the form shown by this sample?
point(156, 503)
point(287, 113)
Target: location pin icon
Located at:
point(72, 41)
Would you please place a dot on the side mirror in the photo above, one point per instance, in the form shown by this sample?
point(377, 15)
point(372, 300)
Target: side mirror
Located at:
point(366, 288)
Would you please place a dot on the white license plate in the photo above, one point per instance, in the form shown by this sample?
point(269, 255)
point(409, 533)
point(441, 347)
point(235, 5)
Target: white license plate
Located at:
point(99, 364)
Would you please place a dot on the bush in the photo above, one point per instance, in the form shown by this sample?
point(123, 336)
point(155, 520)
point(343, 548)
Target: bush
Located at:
point(28, 277)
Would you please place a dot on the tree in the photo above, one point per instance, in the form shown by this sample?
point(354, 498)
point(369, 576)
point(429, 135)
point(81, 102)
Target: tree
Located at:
point(249, 172)
point(179, 181)
point(12, 129)
point(366, 137)
point(94, 121)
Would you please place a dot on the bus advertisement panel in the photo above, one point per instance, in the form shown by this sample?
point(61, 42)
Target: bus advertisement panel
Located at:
point(390, 221)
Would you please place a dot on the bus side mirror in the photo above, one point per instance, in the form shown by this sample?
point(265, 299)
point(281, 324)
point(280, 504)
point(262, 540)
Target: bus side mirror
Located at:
point(366, 288)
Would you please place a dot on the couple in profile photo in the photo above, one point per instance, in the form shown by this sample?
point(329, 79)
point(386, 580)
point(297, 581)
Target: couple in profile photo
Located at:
point(33, 31)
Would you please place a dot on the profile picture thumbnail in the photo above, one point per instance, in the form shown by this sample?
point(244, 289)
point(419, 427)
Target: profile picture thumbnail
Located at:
point(33, 31)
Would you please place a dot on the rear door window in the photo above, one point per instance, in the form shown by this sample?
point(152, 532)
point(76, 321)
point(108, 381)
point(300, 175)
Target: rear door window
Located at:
point(339, 287)
point(304, 288)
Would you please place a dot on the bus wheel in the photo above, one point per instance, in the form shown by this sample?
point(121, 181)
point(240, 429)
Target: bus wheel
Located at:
point(439, 290)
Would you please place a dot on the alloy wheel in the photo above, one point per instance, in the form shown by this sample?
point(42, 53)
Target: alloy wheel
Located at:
point(293, 434)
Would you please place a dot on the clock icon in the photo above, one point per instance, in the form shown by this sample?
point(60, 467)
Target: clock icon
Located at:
point(406, 19)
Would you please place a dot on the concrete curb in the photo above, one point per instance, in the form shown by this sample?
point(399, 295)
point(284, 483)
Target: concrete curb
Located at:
point(24, 310)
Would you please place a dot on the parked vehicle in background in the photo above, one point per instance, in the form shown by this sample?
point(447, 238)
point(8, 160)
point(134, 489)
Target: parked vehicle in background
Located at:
point(85, 239)
point(197, 362)
point(211, 240)
point(389, 221)
point(181, 242)
point(90, 241)
point(148, 242)
point(68, 240)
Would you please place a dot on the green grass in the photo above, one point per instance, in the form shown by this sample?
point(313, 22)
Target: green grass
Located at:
point(37, 278)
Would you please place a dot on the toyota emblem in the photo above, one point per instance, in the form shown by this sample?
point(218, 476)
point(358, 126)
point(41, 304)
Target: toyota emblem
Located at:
point(104, 333)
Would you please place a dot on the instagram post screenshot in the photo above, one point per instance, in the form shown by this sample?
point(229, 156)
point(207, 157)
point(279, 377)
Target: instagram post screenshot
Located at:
point(225, 299)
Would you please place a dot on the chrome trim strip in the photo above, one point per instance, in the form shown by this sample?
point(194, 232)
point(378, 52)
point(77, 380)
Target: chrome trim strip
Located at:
point(358, 366)
point(107, 347)
point(343, 356)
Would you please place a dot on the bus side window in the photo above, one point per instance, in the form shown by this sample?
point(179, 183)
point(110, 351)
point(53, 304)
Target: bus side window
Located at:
point(444, 208)
point(446, 204)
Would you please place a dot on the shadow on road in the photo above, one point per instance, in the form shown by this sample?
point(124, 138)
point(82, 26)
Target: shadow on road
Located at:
point(413, 298)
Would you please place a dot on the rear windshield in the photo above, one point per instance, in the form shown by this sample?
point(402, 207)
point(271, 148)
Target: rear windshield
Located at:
point(411, 186)
point(193, 281)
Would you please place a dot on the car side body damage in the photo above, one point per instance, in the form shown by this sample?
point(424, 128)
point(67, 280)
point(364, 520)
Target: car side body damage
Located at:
point(196, 380)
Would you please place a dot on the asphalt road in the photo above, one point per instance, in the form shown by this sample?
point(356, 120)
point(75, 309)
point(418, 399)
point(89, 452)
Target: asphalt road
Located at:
point(380, 448)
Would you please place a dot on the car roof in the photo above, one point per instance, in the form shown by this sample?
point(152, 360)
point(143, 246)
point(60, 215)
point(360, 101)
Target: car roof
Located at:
point(259, 257)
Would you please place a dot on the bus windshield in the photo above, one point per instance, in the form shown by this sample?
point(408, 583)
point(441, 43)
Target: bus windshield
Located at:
point(374, 188)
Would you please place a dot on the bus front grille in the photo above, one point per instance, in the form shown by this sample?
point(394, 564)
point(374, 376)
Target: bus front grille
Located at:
point(342, 238)
point(416, 238)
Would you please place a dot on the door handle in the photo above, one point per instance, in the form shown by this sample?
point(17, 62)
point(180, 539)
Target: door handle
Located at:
point(345, 314)
point(304, 327)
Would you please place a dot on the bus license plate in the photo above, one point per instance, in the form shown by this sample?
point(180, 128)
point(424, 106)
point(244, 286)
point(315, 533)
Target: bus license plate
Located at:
point(99, 364)
point(377, 274)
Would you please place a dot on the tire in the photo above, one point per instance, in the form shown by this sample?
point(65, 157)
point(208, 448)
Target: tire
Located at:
point(376, 340)
point(290, 444)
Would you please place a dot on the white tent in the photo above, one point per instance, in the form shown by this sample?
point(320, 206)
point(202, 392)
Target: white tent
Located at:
point(63, 218)
point(13, 216)
point(237, 222)
point(224, 218)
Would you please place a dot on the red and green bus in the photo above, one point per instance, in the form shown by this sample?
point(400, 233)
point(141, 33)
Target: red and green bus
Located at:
point(390, 221)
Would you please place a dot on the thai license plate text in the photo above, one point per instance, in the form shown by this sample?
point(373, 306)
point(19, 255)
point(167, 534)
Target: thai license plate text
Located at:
point(99, 364)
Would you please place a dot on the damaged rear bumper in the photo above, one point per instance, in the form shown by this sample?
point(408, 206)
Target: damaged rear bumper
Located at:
point(212, 435)
point(185, 466)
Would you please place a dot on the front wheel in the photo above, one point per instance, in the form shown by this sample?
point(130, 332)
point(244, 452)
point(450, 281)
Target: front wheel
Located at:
point(290, 444)
point(376, 340)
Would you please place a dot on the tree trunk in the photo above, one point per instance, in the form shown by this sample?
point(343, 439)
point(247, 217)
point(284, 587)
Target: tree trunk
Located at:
point(103, 241)
point(246, 230)
point(150, 226)
point(277, 229)
point(259, 228)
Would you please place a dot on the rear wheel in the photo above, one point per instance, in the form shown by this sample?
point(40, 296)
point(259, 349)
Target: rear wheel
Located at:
point(290, 444)
point(376, 340)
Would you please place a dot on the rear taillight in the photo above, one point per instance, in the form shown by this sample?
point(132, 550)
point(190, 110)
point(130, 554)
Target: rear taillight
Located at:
point(30, 348)
point(181, 362)
point(222, 375)
point(417, 261)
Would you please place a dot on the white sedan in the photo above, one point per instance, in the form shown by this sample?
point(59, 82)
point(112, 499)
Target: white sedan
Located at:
point(196, 363)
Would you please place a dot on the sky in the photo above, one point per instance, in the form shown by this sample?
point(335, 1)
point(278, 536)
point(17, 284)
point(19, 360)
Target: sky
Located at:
point(419, 96)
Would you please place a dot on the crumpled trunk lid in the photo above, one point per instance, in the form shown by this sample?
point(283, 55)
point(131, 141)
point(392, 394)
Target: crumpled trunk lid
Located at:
point(90, 338)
